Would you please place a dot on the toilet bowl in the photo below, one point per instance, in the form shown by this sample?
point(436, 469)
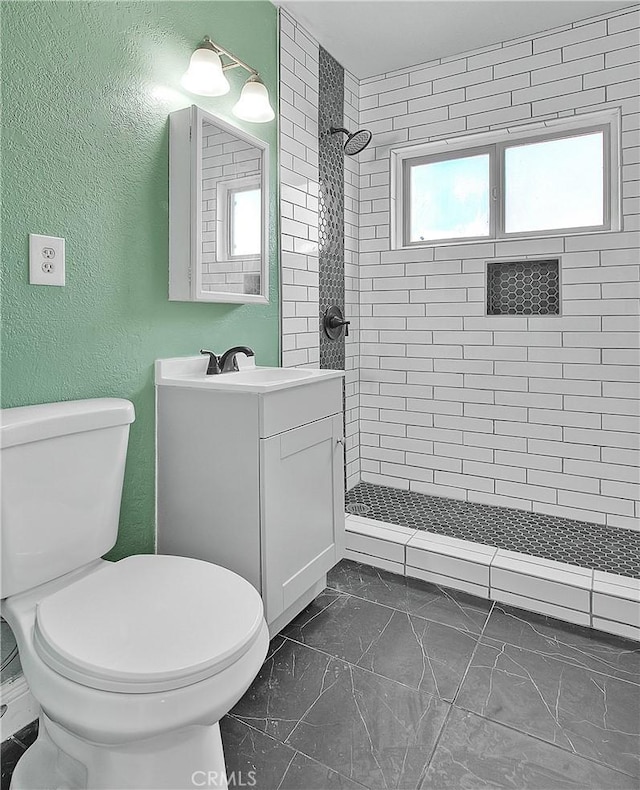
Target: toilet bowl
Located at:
point(134, 662)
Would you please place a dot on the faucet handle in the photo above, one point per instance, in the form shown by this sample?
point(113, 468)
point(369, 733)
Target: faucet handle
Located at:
point(213, 367)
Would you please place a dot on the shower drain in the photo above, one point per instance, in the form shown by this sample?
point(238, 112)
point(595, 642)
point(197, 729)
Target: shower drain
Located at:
point(357, 509)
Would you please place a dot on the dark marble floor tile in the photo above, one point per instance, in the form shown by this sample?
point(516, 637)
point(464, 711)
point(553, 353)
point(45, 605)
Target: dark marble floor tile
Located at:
point(372, 730)
point(593, 715)
point(345, 629)
point(252, 758)
point(422, 654)
point(291, 679)
point(306, 774)
point(584, 647)
point(440, 604)
point(475, 753)
point(323, 601)
point(12, 751)
point(351, 577)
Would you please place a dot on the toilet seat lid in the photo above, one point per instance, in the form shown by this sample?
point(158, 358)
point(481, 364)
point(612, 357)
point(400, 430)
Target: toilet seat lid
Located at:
point(148, 623)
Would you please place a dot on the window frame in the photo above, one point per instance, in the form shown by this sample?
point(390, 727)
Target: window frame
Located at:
point(496, 142)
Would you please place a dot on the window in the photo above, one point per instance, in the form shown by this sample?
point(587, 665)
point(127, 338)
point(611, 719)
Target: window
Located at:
point(554, 184)
point(245, 208)
point(449, 198)
point(559, 179)
point(239, 219)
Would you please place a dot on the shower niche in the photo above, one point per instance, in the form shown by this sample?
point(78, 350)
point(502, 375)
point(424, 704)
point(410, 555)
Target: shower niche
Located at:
point(527, 287)
point(218, 210)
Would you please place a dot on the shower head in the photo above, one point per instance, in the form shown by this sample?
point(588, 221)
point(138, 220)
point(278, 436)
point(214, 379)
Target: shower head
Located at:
point(355, 142)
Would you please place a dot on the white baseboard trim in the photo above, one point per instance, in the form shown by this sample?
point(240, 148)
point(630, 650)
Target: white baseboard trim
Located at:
point(21, 708)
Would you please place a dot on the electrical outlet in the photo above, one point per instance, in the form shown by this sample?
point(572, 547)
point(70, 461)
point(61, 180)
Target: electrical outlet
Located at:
point(46, 260)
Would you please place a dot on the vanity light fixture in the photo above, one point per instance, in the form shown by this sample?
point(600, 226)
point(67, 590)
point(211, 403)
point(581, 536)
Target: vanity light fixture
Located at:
point(253, 104)
point(205, 77)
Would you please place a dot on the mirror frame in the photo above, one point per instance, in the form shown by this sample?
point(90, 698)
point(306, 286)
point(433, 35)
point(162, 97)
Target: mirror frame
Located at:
point(185, 209)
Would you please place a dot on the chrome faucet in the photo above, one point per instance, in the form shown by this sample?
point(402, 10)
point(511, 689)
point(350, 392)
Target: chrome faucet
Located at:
point(227, 362)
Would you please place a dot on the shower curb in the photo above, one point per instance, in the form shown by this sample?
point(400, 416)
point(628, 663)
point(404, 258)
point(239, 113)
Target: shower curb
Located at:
point(596, 599)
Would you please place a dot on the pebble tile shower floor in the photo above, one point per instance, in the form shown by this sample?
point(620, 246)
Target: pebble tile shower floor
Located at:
point(593, 546)
point(386, 682)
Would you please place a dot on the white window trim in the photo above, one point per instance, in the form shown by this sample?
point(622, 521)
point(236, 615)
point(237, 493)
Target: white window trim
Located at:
point(224, 219)
point(539, 130)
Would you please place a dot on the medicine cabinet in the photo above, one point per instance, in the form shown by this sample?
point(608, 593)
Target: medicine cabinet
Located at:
point(218, 210)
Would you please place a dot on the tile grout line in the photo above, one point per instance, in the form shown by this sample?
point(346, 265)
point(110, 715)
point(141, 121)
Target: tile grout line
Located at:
point(364, 669)
point(475, 650)
point(452, 704)
point(542, 740)
point(412, 614)
point(294, 750)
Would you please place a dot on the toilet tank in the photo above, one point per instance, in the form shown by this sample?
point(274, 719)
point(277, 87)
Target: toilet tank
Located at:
point(61, 472)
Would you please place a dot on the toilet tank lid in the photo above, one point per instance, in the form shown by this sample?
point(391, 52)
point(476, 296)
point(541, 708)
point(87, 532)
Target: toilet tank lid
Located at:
point(24, 424)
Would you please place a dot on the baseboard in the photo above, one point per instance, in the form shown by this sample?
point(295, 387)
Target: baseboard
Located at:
point(21, 708)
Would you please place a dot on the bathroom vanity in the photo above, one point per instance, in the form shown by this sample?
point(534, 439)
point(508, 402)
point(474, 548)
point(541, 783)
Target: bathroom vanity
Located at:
point(251, 475)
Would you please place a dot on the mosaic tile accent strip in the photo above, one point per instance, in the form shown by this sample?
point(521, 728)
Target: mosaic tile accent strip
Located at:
point(331, 203)
point(523, 287)
point(609, 549)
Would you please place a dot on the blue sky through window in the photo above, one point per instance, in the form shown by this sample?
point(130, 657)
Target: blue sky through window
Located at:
point(246, 222)
point(450, 199)
point(554, 184)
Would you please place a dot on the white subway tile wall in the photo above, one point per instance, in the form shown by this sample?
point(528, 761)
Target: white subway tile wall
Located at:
point(539, 412)
point(299, 195)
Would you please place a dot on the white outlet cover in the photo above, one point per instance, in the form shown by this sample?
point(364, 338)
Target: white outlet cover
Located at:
point(46, 260)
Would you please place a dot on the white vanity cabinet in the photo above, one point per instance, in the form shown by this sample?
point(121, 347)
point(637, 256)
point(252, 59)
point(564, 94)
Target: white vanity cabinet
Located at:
point(252, 478)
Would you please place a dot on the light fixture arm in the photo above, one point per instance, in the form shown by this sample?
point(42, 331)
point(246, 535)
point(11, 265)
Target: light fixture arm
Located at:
point(235, 62)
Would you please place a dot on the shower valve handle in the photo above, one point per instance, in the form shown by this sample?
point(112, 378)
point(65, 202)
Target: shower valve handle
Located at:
point(334, 321)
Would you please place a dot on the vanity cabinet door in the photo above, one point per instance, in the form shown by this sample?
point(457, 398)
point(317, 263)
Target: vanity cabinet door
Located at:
point(302, 509)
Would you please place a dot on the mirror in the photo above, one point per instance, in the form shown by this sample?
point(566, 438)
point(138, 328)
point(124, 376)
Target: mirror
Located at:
point(218, 210)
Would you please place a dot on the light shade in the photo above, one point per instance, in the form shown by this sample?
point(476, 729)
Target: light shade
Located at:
point(253, 104)
point(204, 75)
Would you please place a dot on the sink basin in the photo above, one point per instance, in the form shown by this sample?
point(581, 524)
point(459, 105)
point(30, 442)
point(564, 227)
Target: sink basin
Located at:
point(268, 375)
point(191, 372)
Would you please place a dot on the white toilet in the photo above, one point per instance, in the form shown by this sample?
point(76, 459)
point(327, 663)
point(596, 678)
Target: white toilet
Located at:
point(134, 662)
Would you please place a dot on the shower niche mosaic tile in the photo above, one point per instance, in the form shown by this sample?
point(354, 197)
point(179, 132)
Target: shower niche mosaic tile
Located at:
point(523, 287)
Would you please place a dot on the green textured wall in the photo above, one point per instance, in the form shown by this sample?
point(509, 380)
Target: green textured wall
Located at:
point(87, 87)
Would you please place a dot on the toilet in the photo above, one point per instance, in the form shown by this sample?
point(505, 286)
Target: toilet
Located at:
point(133, 663)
